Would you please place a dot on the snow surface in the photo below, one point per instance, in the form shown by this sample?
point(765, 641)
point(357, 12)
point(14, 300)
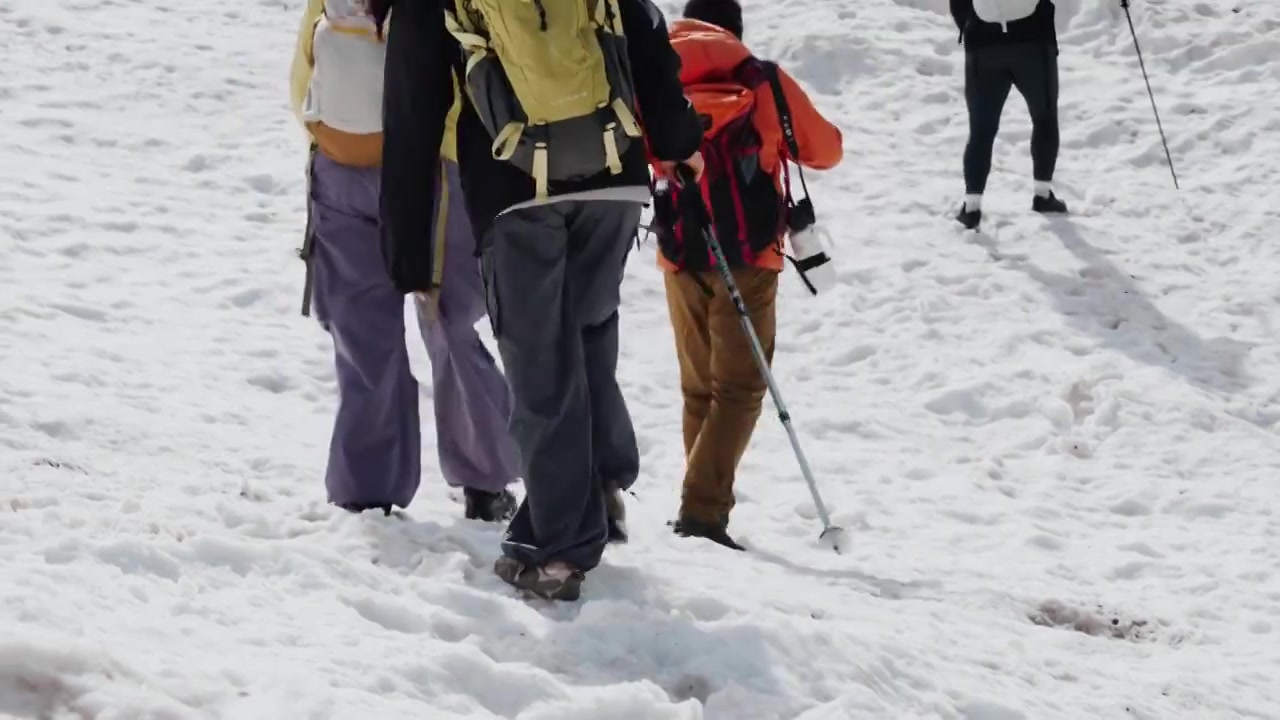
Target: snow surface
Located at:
point(1054, 445)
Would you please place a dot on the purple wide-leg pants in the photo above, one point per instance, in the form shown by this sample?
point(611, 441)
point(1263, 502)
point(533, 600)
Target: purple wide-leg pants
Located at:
point(375, 452)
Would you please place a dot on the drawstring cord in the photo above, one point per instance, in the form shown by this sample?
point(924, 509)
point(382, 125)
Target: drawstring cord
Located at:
point(542, 14)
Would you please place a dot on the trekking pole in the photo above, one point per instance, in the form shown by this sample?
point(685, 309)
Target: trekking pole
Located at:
point(1125, 4)
point(830, 533)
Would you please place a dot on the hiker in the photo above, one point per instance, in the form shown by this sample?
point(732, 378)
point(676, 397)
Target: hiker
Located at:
point(556, 208)
point(750, 203)
point(375, 452)
point(1008, 43)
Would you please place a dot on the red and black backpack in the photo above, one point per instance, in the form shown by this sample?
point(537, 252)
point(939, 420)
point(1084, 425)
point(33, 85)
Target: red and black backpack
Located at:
point(748, 205)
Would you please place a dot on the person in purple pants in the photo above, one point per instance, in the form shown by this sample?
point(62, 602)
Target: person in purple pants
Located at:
point(375, 451)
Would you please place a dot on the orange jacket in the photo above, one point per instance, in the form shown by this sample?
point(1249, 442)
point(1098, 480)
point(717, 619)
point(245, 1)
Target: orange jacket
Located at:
point(708, 56)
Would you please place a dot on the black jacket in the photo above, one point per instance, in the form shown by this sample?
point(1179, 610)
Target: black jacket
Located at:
point(418, 92)
point(976, 34)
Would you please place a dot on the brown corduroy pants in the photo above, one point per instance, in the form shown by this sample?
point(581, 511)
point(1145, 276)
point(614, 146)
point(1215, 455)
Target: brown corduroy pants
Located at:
point(722, 386)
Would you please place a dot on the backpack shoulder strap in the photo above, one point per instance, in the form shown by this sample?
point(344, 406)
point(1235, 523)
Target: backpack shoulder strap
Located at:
point(458, 17)
point(784, 119)
point(784, 110)
point(460, 21)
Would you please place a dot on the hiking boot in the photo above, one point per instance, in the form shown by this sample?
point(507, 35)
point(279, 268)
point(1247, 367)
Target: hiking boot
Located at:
point(969, 218)
point(553, 581)
point(691, 527)
point(357, 508)
point(1048, 205)
point(617, 515)
point(489, 506)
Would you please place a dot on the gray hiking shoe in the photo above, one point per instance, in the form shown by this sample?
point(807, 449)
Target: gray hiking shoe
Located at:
point(553, 581)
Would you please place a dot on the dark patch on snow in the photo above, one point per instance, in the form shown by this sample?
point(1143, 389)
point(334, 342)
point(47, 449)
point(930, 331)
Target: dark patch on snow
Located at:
point(1097, 622)
point(60, 465)
point(253, 494)
point(691, 686)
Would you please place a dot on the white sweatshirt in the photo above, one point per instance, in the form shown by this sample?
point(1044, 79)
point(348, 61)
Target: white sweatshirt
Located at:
point(345, 91)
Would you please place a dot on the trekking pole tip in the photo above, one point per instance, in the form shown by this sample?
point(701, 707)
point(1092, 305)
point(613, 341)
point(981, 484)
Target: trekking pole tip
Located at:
point(834, 538)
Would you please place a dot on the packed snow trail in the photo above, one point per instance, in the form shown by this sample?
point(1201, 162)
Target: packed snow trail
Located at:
point(1054, 444)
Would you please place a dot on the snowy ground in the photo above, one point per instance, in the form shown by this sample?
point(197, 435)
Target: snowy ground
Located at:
point(1055, 446)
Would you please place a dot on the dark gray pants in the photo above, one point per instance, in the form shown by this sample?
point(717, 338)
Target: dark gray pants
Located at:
point(989, 73)
point(554, 274)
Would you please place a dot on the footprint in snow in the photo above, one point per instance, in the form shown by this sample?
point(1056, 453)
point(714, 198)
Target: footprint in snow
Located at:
point(200, 163)
point(987, 710)
point(248, 297)
point(265, 184)
point(81, 311)
point(853, 355)
point(390, 615)
point(696, 687)
point(57, 429)
point(275, 383)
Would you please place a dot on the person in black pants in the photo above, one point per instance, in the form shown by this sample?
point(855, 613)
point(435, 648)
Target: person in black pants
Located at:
point(998, 56)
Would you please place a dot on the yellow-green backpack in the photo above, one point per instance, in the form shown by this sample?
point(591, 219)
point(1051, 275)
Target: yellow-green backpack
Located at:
point(551, 82)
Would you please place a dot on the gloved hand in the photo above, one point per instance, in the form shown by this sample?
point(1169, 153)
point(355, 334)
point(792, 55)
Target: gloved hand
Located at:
point(694, 162)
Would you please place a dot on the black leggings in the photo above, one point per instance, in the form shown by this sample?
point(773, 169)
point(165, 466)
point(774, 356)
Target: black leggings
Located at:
point(989, 72)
